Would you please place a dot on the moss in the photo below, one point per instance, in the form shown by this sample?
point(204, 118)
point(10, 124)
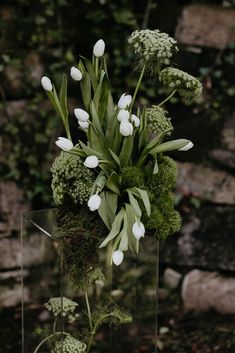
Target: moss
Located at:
point(79, 232)
point(71, 180)
point(133, 177)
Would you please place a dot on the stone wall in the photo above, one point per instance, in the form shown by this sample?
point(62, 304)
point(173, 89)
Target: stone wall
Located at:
point(200, 260)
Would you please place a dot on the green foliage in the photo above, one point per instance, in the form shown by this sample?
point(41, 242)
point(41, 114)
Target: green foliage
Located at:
point(71, 180)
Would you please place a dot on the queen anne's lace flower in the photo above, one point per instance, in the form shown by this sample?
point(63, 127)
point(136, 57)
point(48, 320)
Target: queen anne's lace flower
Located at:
point(68, 306)
point(70, 345)
point(71, 179)
point(154, 48)
point(157, 120)
point(185, 84)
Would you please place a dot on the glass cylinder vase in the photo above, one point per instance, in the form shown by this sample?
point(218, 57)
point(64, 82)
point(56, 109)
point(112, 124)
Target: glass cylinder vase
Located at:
point(75, 300)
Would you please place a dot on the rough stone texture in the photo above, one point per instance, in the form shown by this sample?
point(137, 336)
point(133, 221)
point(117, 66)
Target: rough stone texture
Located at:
point(206, 25)
point(171, 278)
point(202, 291)
point(225, 155)
point(16, 275)
point(12, 204)
point(11, 296)
point(37, 250)
point(206, 183)
point(206, 241)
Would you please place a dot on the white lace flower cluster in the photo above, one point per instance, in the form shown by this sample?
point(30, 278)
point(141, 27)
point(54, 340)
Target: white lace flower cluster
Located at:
point(154, 48)
point(68, 307)
point(70, 345)
point(185, 84)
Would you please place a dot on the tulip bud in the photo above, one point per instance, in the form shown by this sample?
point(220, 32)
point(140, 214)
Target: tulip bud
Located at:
point(98, 49)
point(117, 257)
point(135, 120)
point(83, 124)
point(138, 230)
point(81, 114)
point(123, 115)
point(126, 128)
point(75, 74)
point(124, 101)
point(91, 162)
point(187, 147)
point(94, 202)
point(46, 83)
point(64, 144)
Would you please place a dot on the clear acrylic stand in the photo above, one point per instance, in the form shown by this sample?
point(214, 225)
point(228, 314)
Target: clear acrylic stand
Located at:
point(132, 287)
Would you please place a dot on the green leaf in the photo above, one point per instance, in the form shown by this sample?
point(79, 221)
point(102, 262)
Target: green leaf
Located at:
point(169, 146)
point(90, 151)
point(63, 97)
point(134, 203)
point(95, 119)
point(113, 183)
point(143, 195)
point(108, 208)
point(123, 246)
point(133, 243)
point(98, 91)
point(86, 90)
point(115, 230)
point(126, 150)
point(115, 157)
point(91, 72)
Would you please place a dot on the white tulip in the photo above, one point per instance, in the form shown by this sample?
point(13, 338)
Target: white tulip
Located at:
point(75, 74)
point(123, 115)
point(187, 147)
point(124, 101)
point(126, 128)
point(91, 162)
point(138, 230)
point(117, 257)
point(46, 83)
point(83, 124)
point(99, 47)
point(94, 202)
point(64, 144)
point(135, 120)
point(81, 114)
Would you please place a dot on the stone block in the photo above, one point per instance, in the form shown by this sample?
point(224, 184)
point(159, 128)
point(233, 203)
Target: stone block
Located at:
point(206, 25)
point(171, 278)
point(206, 241)
point(203, 291)
point(12, 204)
point(206, 183)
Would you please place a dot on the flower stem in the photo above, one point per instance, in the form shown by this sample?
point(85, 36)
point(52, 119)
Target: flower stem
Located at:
point(137, 87)
point(90, 321)
point(167, 99)
point(48, 338)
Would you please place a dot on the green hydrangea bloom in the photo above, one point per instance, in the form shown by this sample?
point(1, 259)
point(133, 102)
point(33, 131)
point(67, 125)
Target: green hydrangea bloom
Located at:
point(71, 179)
point(157, 120)
point(70, 345)
point(185, 84)
point(153, 48)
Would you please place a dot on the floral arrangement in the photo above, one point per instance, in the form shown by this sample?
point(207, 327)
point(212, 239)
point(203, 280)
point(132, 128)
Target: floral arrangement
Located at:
point(119, 167)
